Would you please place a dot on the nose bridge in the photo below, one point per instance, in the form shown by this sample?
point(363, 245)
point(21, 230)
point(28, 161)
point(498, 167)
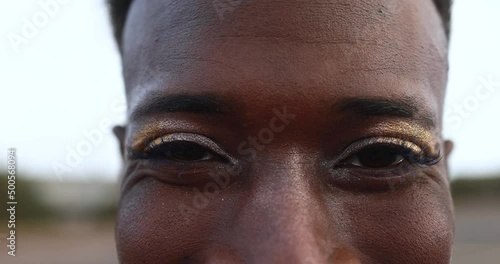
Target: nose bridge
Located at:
point(283, 215)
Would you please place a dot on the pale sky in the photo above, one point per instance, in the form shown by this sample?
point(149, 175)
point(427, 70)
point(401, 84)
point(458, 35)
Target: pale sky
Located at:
point(64, 82)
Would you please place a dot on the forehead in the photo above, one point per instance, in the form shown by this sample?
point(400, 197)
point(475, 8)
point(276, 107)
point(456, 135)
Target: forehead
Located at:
point(275, 48)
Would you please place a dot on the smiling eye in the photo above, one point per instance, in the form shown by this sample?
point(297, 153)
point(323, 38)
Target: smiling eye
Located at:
point(182, 151)
point(382, 153)
point(376, 163)
point(181, 147)
point(377, 157)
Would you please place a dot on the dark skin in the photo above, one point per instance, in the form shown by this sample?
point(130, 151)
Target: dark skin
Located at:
point(351, 167)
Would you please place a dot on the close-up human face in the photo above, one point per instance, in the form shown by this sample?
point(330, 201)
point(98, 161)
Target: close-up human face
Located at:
point(284, 132)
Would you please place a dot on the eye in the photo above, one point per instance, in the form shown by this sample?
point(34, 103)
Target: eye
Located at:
point(181, 147)
point(378, 157)
point(380, 164)
point(182, 151)
point(382, 153)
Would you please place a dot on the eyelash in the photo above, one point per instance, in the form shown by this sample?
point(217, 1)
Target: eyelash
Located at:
point(408, 150)
point(158, 147)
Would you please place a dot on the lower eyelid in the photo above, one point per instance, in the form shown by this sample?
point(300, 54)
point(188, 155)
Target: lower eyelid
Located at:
point(366, 180)
point(187, 174)
point(401, 169)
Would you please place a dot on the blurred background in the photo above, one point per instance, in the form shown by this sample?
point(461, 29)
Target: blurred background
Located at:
point(62, 92)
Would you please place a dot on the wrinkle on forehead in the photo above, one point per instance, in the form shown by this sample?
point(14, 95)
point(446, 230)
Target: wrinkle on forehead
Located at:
point(275, 38)
point(177, 29)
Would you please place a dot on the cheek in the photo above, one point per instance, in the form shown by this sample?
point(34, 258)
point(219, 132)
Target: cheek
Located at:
point(411, 228)
point(154, 227)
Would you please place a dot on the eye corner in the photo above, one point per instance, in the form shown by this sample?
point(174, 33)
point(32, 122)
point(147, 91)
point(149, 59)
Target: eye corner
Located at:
point(133, 154)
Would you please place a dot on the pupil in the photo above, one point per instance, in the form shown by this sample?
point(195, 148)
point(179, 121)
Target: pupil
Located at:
point(186, 151)
point(377, 157)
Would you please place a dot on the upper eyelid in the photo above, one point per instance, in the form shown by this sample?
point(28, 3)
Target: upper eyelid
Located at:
point(195, 138)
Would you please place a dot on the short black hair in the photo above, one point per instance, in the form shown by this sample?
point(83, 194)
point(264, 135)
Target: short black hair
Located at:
point(119, 9)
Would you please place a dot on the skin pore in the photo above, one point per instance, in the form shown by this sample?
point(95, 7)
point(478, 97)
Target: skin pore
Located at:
point(286, 132)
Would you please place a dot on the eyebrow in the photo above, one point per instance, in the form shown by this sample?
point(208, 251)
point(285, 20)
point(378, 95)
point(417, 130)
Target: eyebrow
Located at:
point(360, 107)
point(403, 108)
point(180, 103)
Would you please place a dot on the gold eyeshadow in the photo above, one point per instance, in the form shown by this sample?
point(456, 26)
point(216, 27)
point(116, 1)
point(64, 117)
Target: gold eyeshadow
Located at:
point(145, 135)
point(413, 136)
point(410, 132)
point(147, 144)
point(151, 131)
